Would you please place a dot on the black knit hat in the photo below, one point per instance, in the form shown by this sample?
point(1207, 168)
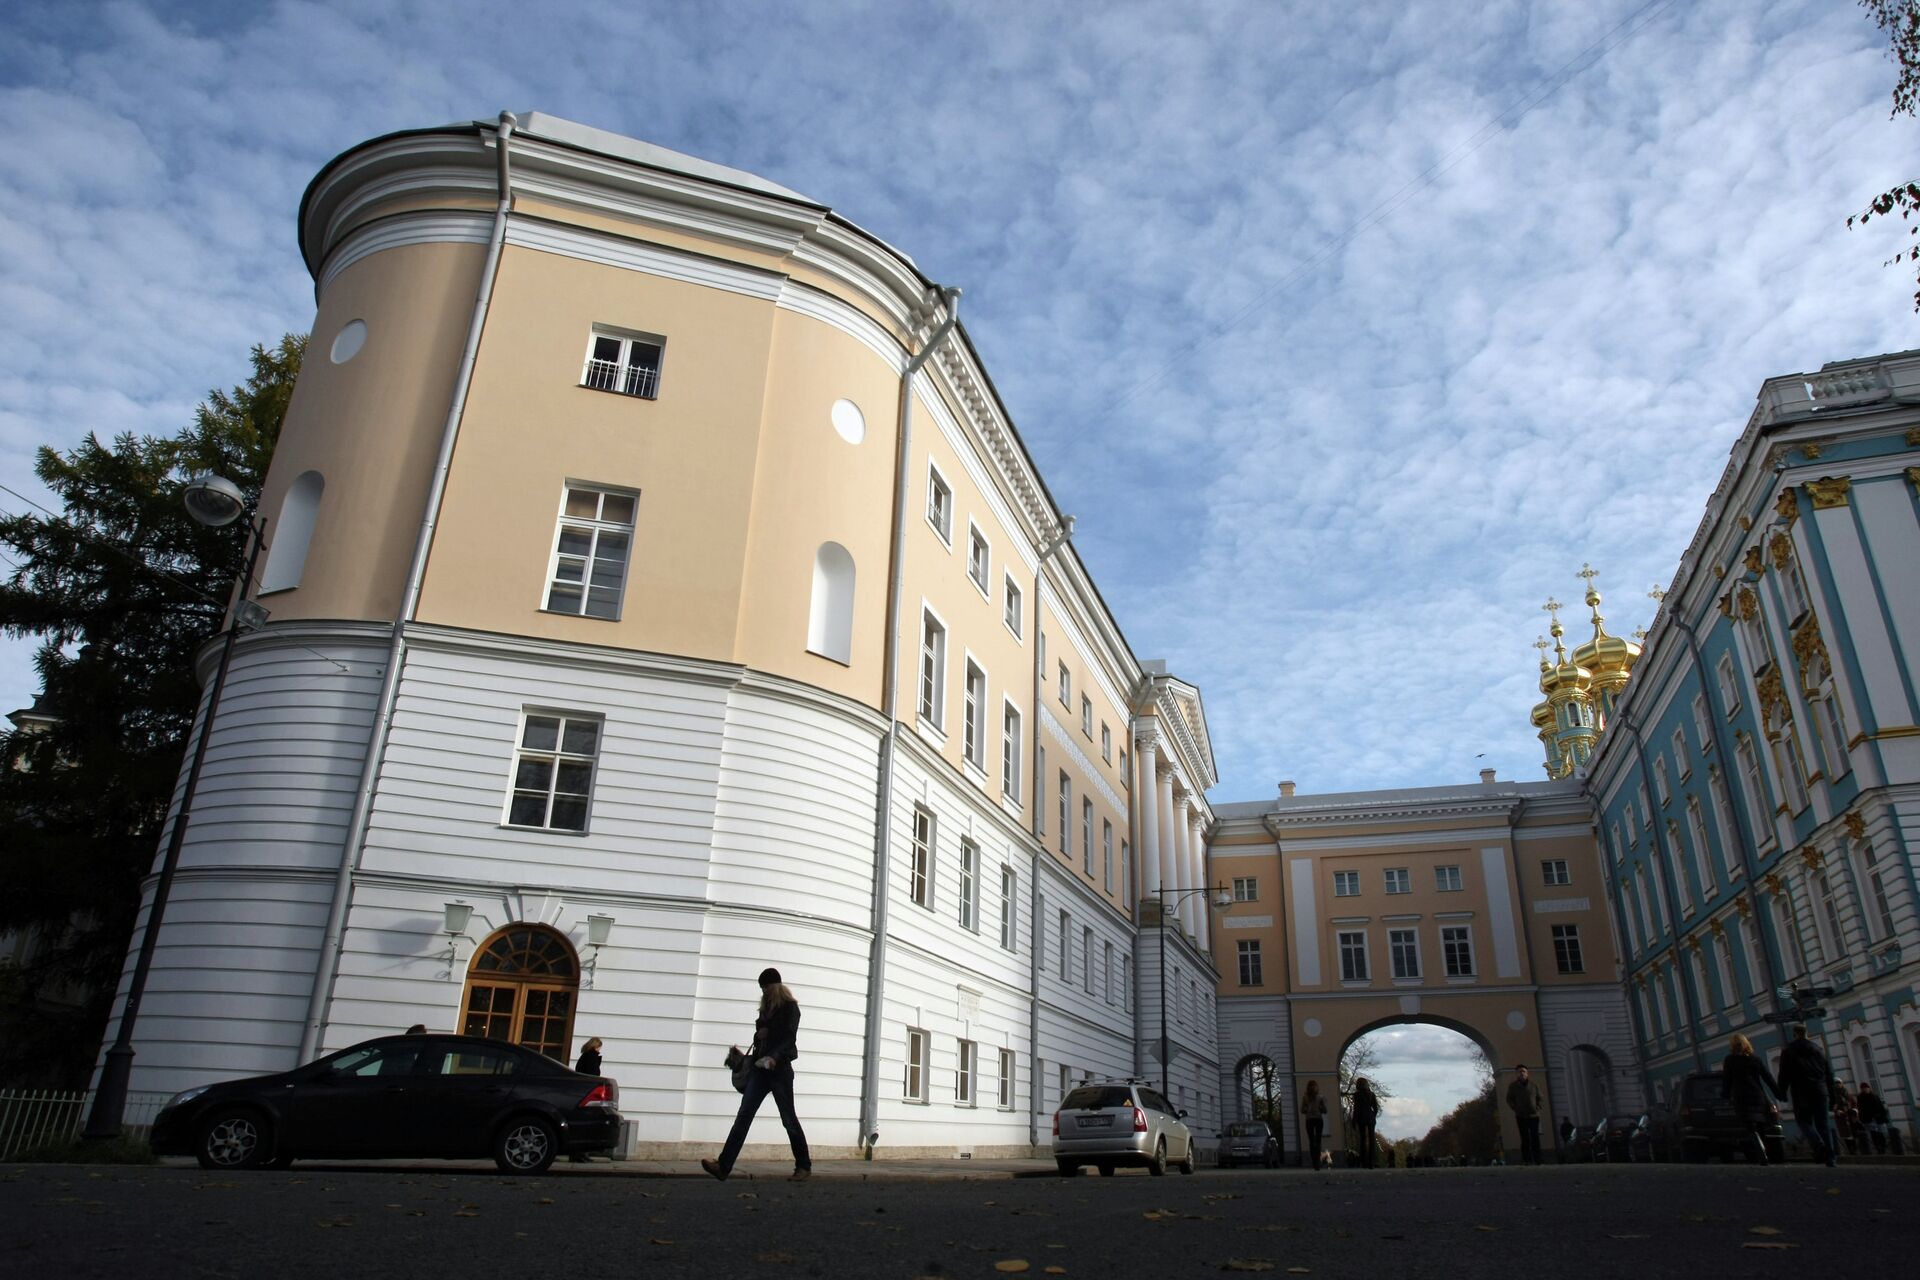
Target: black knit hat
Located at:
point(769, 977)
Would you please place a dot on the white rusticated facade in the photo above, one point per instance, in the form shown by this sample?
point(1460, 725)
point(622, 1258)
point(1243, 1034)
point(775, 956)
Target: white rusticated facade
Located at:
point(616, 605)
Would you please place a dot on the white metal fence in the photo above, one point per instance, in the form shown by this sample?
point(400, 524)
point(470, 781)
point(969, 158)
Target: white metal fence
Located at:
point(33, 1118)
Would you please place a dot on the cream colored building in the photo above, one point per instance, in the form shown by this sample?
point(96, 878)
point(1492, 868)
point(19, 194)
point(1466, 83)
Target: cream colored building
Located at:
point(1480, 908)
point(660, 590)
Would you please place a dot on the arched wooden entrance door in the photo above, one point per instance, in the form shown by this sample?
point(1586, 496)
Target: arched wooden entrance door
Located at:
point(521, 988)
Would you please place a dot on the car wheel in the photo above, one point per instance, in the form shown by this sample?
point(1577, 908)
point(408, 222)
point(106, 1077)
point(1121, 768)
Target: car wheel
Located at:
point(234, 1138)
point(1068, 1169)
point(1158, 1165)
point(1106, 1169)
point(526, 1144)
point(1186, 1165)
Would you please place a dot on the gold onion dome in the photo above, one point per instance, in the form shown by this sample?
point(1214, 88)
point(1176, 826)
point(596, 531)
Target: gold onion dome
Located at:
point(1563, 677)
point(1608, 657)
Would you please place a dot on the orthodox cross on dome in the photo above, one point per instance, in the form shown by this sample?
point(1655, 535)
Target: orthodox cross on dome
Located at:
point(1656, 593)
point(1639, 635)
point(1540, 643)
point(1554, 607)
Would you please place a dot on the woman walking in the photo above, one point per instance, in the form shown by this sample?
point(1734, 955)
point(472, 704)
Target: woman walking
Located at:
point(1366, 1113)
point(1752, 1089)
point(1313, 1108)
point(775, 1033)
point(589, 1064)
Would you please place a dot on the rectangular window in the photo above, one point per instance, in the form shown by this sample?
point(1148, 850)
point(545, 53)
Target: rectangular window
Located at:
point(973, 729)
point(1446, 879)
point(553, 771)
point(1106, 744)
point(1066, 687)
point(1403, 946)
point(979, 559)
point(963, 1077)
point(1086, 716)
point(1353, 956)
point(1702, 723)
point(1246, 889)
point(1106, 852)
point(1399, 880)
point(1723, 963)
point(1126, 779)
point(1014, 614)
point(587, 574)
point(1010, 746)
point(1250, 964)
point(920, 873)
point(918, 1042)
point(1729, 690)
point(1126, 868)
point(1066, 947)
point(1039, 780)
point(1566, 949)
point(969, 885)
point(1680, 754)
point(1660, 779)
point(1008, 1066)
point(1456, 946)
point(1066, 812)
point(1882, 913)
point(1106, 972)
point(933, 670)
point(1009, 907)
point(1698, 852)
point(1755, 789)
point(1086, 836)
point(627, 365)
point(1346, 884)
point(1554, 873)
point(1086, 960)
point(939, 504)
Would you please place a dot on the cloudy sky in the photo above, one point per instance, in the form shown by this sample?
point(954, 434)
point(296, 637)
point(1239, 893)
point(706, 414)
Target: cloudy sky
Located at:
point(1347, 331)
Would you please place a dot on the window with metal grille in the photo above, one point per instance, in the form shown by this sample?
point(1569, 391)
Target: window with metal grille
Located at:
point(627, 365)
point(553, 771)
point(587, 572)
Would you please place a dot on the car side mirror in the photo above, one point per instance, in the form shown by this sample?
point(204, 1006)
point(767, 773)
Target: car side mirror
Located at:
point(1181, 1114)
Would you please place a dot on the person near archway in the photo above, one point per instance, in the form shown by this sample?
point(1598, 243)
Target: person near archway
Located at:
point(1808, 1078)
point(1366, 1114)
point(1523, 1097)
point(1313, 1108)
point(1751, 1087)
point(775, 1045)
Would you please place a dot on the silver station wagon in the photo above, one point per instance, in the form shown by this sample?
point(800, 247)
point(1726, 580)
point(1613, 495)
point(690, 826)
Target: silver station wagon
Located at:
point(1109, 1123)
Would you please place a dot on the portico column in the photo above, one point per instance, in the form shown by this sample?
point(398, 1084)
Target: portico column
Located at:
point(1147, 846)
point(1203, 911)
point(1183, 848)
point(1163, 782)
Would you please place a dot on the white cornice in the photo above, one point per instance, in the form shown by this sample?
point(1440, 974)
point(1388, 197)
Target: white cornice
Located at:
point(1063, 735)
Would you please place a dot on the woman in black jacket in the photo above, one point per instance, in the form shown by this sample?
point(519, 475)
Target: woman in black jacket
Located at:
point(1366, 1114)
point(1752, 1089)
point(589, 1064)
point(775, 1033)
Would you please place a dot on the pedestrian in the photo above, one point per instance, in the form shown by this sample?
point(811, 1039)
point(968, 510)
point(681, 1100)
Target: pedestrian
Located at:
point(1751, 1087)
point(417, 1029)
point(1566, 1139)
point(1873, 1117)
point(1313, 1108)
point(775, 1035)
point(1366, 1113)
point(589, 1064)
point(1846, 1119)
point(1523, 1097)
point(1807, 1077)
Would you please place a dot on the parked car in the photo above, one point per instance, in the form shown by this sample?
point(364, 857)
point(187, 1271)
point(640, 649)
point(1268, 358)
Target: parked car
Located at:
point(1249, 1142)
point(1578, 1149)
point(1623, 1139)
point(1710, 1127)
point(441, 1097)
point(1110, 1123)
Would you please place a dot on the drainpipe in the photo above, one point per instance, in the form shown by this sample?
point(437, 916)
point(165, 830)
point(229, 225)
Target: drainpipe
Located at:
point(1063, 534)
point(1682, 973)
point(889, 745)
point(326, 968)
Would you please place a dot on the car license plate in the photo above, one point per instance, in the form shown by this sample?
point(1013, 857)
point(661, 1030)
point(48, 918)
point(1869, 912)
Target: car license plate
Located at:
point(1243, 1151)
point(1094, 1122)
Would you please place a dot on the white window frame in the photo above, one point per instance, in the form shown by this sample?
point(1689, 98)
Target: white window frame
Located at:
point(1346, 884)
point(1106, 743)
point(1873, 873)
point(1066, 687)
point(1555, 873)
point(1398, 880)
point(1464, 939)
point(595, 527)
point(1569, 957)
point(1702, 724)
point(966, 1073)
point(973, 718)
point(623, 380)
point(1660, 784)
point(1066, 813)
point(1346, 949)
point(1723, 671)
point(922, 846)
point(1106, 971)
point(1086, 958)
point(1009, 909)
point(1012, 609)
point(918, 1066)
point(1106, 853)
point(969, 913)
point(1012, 744)
point(1723, 970)
point(555, 758)
point(1447, 880)
point(1250, 972)
point(1086, 717)
point(1753, 781)
point(1009, 1076)
point(1086, 835)
point(931, 702)
point(1701, 859)
point(979, 560)
point(1246, 888)
point(1680, 756)
point(1066, 946)
point(939, 504)
point(1404, 944)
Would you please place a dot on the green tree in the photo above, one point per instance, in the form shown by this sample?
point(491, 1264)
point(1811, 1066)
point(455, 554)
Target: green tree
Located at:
point(120, 589)
point(1900, 20)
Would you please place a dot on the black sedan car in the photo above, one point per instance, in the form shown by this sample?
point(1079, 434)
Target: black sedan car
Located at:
point(1623, 1140)
point(440, 1097)
point(1249, 1142)
point(1709, 1125)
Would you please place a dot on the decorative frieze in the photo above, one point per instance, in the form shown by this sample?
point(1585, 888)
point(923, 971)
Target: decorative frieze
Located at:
point(1756, 565)
point(1787, 508)
point(1829, 491)
point(1856, 825)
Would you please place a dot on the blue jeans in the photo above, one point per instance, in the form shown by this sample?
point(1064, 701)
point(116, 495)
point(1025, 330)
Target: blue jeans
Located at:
point(779, 1083)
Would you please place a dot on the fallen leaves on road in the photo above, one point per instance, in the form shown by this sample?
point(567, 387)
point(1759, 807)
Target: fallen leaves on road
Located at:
point(659, 1240)
point(1484, 1227)
point(1156, 1215)
point(1246, 1264)
point(1055, 1271)
point(1222, 1195)
point(1011, 1265)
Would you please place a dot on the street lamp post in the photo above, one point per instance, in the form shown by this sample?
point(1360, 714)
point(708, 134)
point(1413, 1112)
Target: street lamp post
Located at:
point(1222, 898)
point(215, 502)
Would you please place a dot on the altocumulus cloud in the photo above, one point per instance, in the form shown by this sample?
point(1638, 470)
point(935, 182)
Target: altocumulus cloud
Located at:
point(1329, 474)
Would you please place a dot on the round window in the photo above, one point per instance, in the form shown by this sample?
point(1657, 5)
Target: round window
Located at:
point(849, 421)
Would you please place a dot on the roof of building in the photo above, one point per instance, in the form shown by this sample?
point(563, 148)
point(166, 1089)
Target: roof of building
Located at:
point(1459, 793)
point(587, 138)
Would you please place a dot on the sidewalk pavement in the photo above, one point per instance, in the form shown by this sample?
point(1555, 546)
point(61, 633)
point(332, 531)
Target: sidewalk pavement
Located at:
point(745, 1171)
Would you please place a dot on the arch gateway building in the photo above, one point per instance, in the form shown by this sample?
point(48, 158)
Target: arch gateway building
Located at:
point(658, 589)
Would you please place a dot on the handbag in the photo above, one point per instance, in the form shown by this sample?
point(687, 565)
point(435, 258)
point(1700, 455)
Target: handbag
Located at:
point(741, 1067)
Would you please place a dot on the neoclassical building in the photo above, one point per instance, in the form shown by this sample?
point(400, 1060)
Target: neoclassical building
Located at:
point(658, 590)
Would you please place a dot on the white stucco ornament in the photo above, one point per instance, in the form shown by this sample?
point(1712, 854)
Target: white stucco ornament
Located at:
point(1516, 1021)
point(1311, 1026)
point(347, 343)
point(849, 421)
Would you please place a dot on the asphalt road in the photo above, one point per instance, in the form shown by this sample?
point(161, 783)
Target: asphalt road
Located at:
point(73, 1222)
